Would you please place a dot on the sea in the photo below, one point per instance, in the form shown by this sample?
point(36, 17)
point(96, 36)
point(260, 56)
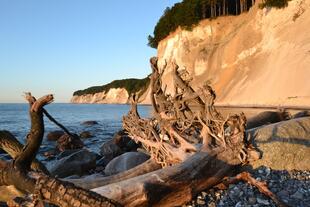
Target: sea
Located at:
point(15, 118)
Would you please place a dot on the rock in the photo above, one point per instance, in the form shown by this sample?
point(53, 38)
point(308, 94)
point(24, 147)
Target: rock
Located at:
point(77, 163)
point(50, 154)
point(297, 195)
point(301, 114)
point(284, 145)
point(67, 153)
point(239, 204)
point(86, 134)
point(283, 194)
point(267, 117)
point(67, 142)
point(125, 162)
point(102, 162)
point(201, 202)
point(262, 201)
point(252, 200)
point(54, 135)
point(89, 123)
point(109, 150)
point(122, 140)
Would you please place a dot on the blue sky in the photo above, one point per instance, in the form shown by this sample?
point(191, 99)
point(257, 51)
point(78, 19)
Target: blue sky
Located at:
point(59, 46)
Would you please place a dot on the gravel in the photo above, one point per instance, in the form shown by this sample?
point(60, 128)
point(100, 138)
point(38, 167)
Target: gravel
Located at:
point(292, 187)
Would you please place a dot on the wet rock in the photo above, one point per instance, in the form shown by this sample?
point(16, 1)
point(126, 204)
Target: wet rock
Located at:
point(110, 150)
point(125, 162)
point(54, 135)
point(262, 201)
point(67, 153)
point(89, 123)
point(102, 162)
point(122, 140)
point(297, 195)
point(67, 142)
point(85, 135)
point(78, 163)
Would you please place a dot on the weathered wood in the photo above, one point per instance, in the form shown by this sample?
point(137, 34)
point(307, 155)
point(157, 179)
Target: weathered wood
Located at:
point(46, 188)
point(97, 180)
point(197, 147)
point(173, 185)
point(13, 147)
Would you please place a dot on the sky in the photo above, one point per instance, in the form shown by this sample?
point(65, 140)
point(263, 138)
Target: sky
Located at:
point(60, 46)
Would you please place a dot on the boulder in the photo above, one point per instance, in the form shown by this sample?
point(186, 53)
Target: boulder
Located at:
point(78, 163)
point(67, 153)
point(122, 140)
point(284, 145)
point(301, 114)
point(125, 162)
point(89, 123)
point(85, 135)
point(109, 150)
point(67, 142)
point(267, 117)
point(54, 135)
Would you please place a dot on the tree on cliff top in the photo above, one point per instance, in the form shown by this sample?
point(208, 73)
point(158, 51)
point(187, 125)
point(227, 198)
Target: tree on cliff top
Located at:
point(188, 13)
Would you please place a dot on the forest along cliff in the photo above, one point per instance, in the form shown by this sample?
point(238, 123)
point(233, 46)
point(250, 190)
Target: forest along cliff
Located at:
point(258, 58)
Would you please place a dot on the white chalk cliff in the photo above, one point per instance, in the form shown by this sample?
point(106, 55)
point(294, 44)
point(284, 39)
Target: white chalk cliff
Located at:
point(113, 96)
point(259, 58)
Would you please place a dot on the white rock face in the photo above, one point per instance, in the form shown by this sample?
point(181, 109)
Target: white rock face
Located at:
point(259, 58)
point(113, 96)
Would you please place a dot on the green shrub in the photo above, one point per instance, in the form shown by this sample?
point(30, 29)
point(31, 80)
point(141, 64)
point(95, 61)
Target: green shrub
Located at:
point(132, 85)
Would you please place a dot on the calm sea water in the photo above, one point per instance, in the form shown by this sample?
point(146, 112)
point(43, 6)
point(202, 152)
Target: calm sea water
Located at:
point(15, 118)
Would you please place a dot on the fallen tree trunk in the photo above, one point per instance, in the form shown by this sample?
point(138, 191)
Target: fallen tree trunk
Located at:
point(173, 185)
point(95, 181)
point(13, 147)
point(195, 146)
point(51, 190)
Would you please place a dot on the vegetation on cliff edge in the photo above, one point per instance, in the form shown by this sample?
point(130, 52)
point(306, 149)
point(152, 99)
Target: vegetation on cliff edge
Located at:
point(188, 13)
point(132, 85)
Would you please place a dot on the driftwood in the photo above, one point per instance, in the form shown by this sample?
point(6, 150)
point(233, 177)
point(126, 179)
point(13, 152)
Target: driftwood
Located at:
point(193, 146)
point(196, 146)
point(18, 172)
point(97, 180)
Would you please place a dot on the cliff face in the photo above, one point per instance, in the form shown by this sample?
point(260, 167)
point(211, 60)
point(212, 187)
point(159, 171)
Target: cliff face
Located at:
point(113, 96)
point(260, 58)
